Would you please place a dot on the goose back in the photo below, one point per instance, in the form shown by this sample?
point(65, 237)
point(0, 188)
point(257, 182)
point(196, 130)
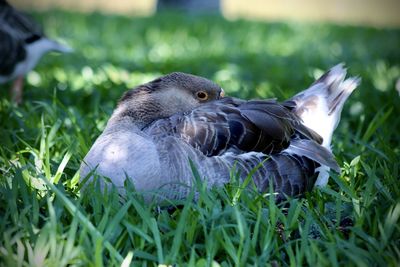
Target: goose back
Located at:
point(260, 136)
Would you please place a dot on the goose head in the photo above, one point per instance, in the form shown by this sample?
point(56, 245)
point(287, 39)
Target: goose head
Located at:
point(165, 96)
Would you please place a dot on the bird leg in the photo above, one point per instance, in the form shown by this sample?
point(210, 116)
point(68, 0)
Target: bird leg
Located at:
point(16, 90)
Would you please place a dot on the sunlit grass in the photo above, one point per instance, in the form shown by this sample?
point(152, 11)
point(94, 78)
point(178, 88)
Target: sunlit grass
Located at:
point(45, 220)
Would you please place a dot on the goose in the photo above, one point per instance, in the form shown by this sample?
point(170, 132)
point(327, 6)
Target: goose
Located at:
point(22, 44)
point(160, 129)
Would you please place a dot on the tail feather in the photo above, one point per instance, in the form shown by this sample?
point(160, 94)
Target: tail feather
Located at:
point(320, 105)
point(346, 88)
point(313, 151)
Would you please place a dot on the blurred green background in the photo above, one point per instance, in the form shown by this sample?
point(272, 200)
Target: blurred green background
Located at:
point(249, 58)
point(69, 98)
point(358, 12)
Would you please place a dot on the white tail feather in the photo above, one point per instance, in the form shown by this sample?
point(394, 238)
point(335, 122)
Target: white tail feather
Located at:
point(320, 107)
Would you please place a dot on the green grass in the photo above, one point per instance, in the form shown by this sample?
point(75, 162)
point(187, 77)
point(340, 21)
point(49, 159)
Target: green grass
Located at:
point(45, 220)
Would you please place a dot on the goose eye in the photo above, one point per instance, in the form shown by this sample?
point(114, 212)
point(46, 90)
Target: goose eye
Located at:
point(201, 95)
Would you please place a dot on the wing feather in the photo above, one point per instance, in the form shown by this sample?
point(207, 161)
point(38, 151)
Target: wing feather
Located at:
point(213, 128)
point(246, 133)
point(12, 52)
point(20, 25)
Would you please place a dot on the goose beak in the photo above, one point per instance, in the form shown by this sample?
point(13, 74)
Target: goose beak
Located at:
point(222, 93)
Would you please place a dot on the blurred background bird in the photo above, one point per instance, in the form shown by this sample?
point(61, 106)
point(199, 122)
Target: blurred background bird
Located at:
point(22, 44)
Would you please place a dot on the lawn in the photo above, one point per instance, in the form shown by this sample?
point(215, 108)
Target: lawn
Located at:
point(45, 220)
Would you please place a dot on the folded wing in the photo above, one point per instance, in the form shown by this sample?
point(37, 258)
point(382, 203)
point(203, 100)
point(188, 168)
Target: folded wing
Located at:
point(232, 124)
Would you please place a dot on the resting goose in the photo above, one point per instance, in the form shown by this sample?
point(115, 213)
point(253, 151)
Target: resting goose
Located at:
point(22, 44)
point(157, 127)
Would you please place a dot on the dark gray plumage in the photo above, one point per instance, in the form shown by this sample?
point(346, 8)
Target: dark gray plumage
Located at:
point(22, 44)
point(159, 126)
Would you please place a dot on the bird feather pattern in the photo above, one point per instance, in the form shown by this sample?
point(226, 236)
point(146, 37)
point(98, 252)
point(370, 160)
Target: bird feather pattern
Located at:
point(158, 128)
